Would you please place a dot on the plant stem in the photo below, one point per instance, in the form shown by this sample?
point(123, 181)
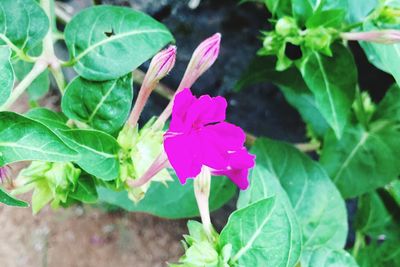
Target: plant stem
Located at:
point(48, 49)
point(37, 69)
point(359, 243)
point(202, 185)
point(59, 78)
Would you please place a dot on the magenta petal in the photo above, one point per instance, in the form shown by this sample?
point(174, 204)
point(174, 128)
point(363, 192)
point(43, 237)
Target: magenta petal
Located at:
point(182, 103)
point(184, 154)
point(238, 177)
point(226, 135)
point(206, 110)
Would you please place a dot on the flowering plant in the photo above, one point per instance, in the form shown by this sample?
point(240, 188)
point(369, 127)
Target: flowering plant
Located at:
point(291, 208)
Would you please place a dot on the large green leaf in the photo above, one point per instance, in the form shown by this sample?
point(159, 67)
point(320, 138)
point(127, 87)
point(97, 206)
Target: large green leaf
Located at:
point(102, 105)
point(378, 254)
point(372, 216)
point(98, 152)
point(317, 203)
point(25, 139)
point(23, 22)
point(303, 10)
point(107, 42)
point(173, 201)
point(11, 201)
point(296, 92)
point(333, 82)
point(40, 86)
point(389, 107)
point(357, 12)
point(264, 233)
point(361, 160)
point(6, 74)
point(325, 257)
point(383, 56)
point(51, 119)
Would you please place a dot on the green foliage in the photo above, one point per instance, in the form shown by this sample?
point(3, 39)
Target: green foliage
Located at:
point(39, 87)
point(5, 198)
point(108, 49)
point(103, 106)
point(325, 257)
point(264, 233)
point(23, 22)
point(318, 205)
point(25, 139)
point(163, 200)
point(6, 74)
point(333, 82)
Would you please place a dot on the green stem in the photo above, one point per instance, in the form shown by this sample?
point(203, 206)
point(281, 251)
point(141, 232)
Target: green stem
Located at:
point(37, 69)
point(59, 78)
point(359, 243)
point(362, 115)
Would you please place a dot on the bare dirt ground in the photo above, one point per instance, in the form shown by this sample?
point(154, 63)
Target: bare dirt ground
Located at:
point(84, 236)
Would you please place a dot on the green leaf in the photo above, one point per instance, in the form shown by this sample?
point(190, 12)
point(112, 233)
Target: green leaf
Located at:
point(358, 13)
point(22, 139)
point(394, 190)
point(11, 201)
point(380, 255)
point(264, 233)
point(118, 41)
point(303, 10)
point(325, 257)
point(317, 203)
point(383, 56)
point(372, 217)
point(98, 152)
point(333, 82)
point(328, 18)
point(53, 120)
point(23, 22)
point(389, 107)
point(174, 200)
point(279, 8)
point(361, 160)
point(294, 89)
point(86, 190)
point(40, 86)
point(6, 74)
point(104, 106)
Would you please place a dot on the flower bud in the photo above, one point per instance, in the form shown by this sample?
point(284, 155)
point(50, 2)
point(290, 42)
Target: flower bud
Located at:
point(383, 36)
point(161, 65)
point(286, 26)
point(202, 59)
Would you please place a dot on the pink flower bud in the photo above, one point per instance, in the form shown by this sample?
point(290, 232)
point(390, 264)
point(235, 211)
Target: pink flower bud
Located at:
point(202, 59)
point(161, 65)
point(383, 36)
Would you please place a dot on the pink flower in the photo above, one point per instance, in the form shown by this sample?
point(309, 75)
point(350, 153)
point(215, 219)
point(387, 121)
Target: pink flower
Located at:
point(198, 136)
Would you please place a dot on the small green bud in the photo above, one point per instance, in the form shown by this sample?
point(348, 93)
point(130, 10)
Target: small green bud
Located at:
point(389, 15)
point(286, 26)
point(51, 181)
point(318, 39)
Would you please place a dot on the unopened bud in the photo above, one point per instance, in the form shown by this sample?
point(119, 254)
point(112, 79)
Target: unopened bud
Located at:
point(383, 36)
point(286, 26)
point(161, 64)
point(202, 59)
